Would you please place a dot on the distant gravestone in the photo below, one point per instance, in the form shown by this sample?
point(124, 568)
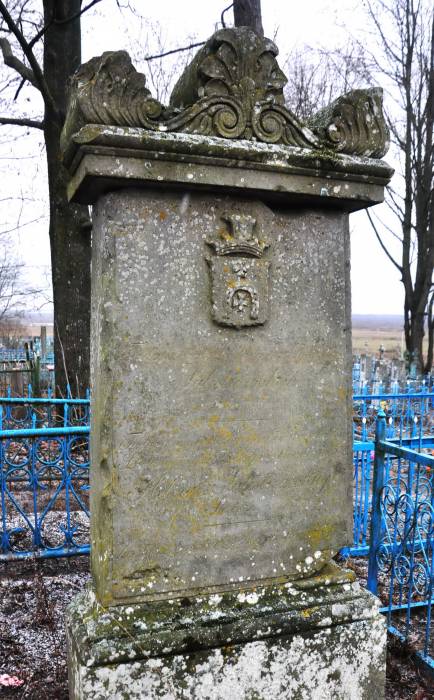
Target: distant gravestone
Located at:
point(43, 343)
point(221, 382)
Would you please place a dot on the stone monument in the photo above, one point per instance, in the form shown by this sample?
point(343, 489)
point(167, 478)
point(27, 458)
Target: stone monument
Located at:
point(221, 481)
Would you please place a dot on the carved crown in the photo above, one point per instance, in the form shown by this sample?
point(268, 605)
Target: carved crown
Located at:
point(240, 238)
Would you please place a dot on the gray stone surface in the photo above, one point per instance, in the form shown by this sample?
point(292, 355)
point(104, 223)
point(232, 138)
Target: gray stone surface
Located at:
point(219, 455)
point(221, 480)
point(320, 639)
point(104, 158)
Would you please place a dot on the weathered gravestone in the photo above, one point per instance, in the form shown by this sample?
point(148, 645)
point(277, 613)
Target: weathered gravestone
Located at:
point(221, 390)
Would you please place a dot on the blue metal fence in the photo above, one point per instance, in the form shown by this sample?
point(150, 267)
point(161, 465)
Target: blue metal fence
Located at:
point(401, 556)
point(29, 412)
point(407, 386)
point(20, 355)
point(408, 415)
point(44, 492)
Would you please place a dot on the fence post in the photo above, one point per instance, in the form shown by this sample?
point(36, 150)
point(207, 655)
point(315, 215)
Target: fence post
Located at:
point(376, 517)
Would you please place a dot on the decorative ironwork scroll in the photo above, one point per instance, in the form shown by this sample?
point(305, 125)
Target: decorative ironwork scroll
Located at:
point(44, 484)
point(401, 557)
point(406, 548)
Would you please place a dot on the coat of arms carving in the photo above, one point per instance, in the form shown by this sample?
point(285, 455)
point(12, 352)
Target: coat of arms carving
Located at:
point(238, 274)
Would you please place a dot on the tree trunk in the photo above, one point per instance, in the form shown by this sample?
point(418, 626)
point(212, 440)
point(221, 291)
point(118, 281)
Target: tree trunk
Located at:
point(247, 13)
point(69, 223)
point(417, 335)
point(430, 325)
point(414, 330)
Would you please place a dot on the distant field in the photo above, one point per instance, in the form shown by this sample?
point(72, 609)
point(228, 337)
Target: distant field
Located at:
point(369, 332)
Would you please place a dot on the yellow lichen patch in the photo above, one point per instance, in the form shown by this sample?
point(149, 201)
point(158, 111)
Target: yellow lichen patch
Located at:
point(217, 506)
point(224, 233)
point(317, 536)
point(219, 430)
point(224, 433)
point(192, 493)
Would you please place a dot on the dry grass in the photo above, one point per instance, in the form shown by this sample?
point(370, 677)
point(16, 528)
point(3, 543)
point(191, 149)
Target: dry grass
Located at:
point(369, 332)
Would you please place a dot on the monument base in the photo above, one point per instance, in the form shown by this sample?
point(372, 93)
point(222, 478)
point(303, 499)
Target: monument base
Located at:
point(318, 638)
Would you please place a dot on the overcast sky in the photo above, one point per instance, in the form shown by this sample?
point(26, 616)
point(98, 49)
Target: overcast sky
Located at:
point(375, 282)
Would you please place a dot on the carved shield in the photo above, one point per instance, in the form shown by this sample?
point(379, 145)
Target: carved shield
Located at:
point(239, 291)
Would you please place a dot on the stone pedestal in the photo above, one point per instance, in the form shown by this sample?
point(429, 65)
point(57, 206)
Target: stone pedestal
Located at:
point(318, 638)
point(221, 481)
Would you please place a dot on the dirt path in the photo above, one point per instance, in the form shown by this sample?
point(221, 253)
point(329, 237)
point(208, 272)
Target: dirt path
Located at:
point(33, 597)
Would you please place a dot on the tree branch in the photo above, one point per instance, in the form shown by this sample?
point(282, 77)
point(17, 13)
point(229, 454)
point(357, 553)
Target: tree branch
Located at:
point(398, 267)
point(19, 88)
point(34, 65)
point(222, 16)
point(13, 62)
point(22, 122)
point(167, 53)
point(53, 20)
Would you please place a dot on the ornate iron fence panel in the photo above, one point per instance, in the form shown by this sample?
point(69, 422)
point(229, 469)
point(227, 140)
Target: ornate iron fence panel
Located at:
point(44, 492)
point(29, 412)
point(408, 416)
point(401, 557)
point(363, 458)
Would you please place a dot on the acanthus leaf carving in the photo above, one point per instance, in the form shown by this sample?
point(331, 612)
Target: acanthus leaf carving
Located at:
point(273, 123)
point(232, 89)
point(219, 116)
point(234, 62)
point(354, 124)
point(109, 90)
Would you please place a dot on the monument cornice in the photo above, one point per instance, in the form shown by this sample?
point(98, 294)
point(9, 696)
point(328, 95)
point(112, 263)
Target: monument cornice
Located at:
point(103, 157)
point(227, 111)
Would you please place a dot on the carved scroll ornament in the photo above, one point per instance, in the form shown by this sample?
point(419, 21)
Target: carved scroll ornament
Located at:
point(233, 89)
point(355, 124)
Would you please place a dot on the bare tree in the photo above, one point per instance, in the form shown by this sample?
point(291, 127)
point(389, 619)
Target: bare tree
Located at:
point(316, 77)
point(396, 51)
point(15, 293)
point(404, 56)
point(42, 47)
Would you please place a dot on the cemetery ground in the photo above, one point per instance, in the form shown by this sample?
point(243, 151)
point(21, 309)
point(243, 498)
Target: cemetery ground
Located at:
point(369, 332)
point(33, 598)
